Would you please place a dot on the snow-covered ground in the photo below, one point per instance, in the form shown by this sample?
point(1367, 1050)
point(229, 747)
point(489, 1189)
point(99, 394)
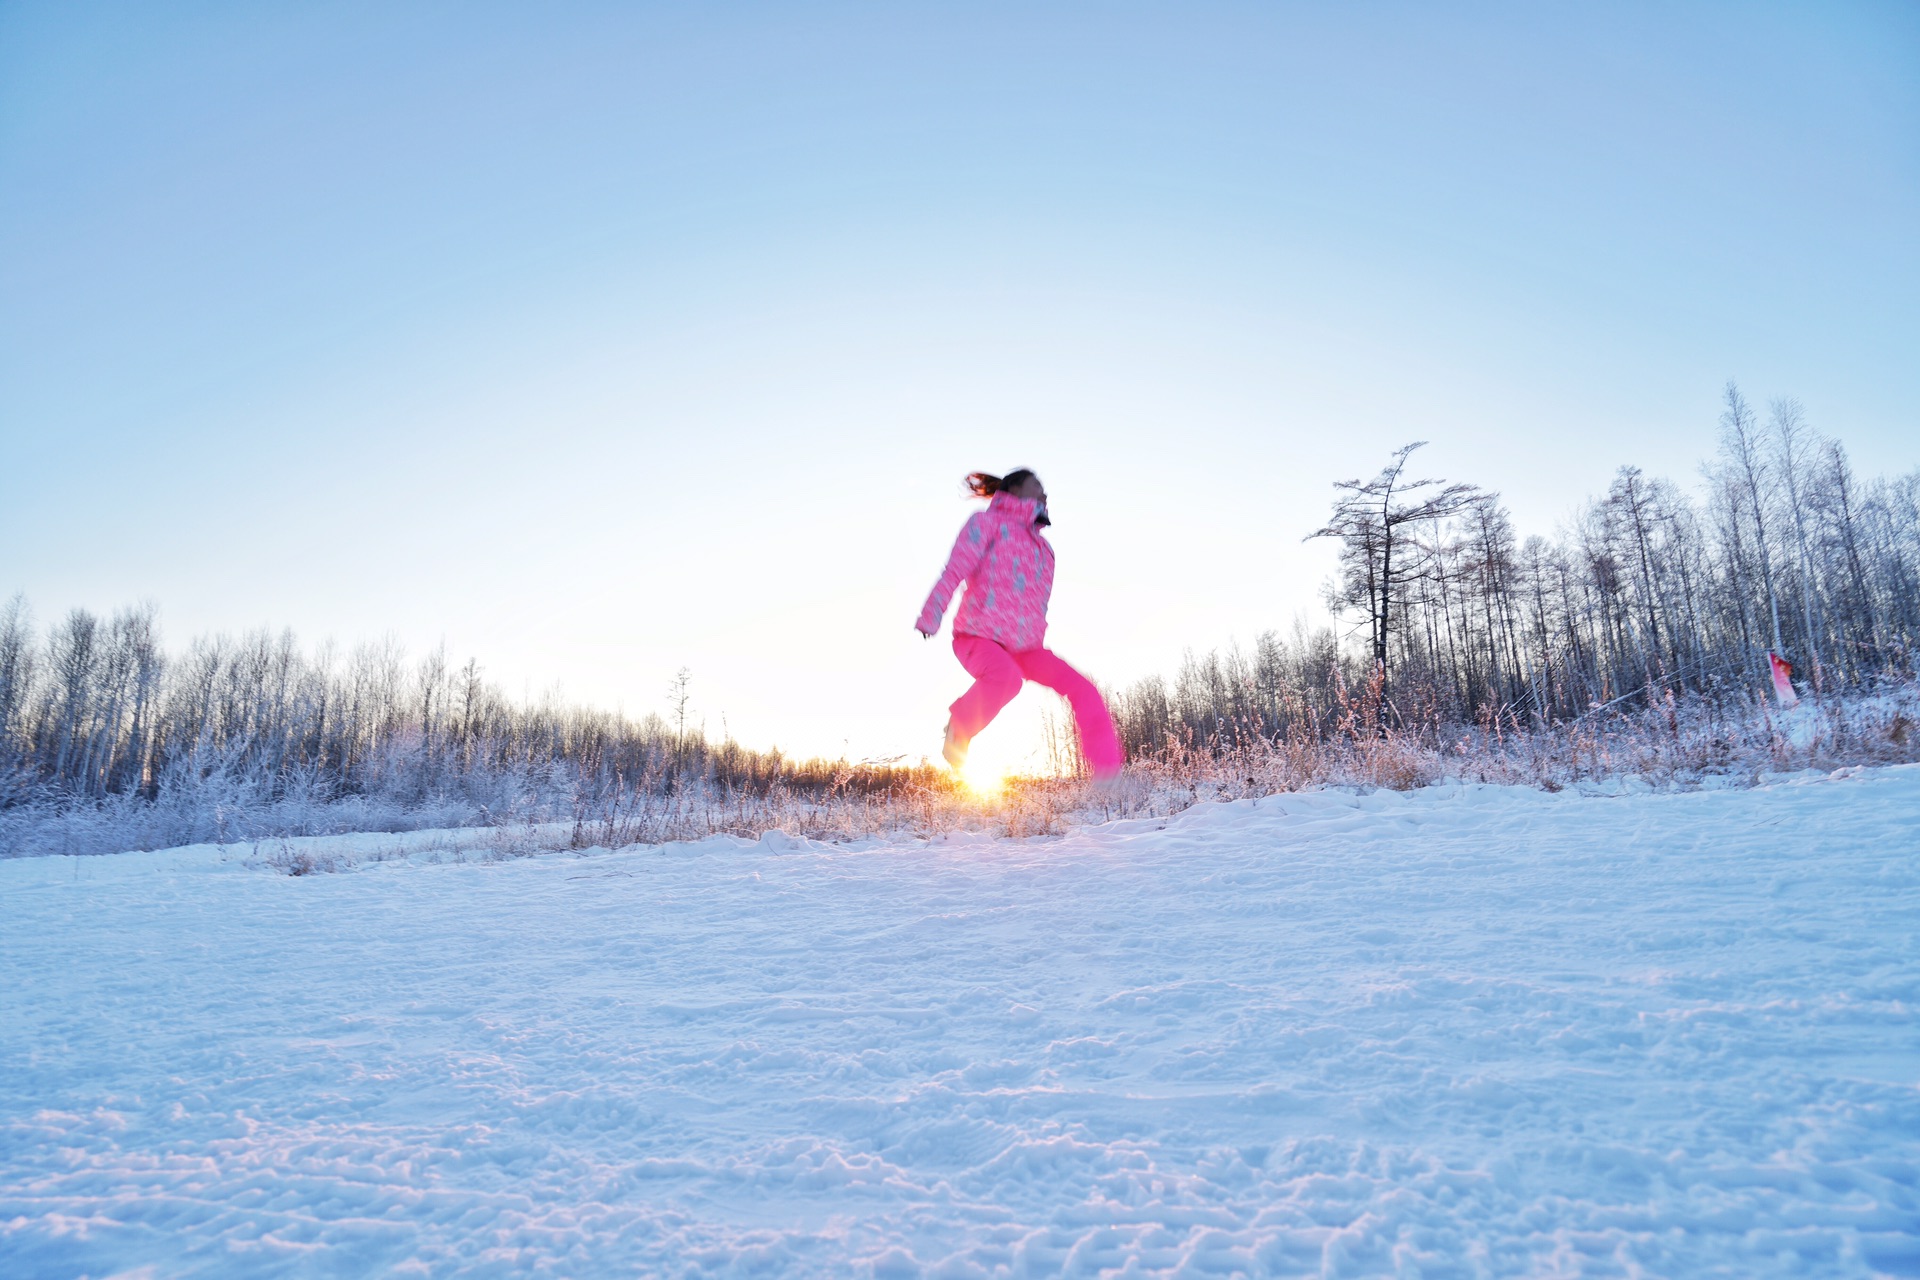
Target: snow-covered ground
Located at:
point(1461, 1032)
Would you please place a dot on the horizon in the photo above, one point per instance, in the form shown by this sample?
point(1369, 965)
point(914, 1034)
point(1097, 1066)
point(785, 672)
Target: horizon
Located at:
point(601, 344)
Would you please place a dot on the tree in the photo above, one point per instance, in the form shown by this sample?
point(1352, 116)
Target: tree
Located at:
point(1793, 441)
point(677, 698)
point(1368, 519)
point(1842, 504)
point(1752, 480)
point(16, 675)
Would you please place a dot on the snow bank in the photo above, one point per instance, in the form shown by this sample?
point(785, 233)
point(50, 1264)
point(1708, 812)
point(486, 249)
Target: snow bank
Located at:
point(1470, 1030)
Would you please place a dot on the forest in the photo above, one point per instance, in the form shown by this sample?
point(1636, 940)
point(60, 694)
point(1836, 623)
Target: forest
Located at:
point(1657, 596)
point(1654, 592)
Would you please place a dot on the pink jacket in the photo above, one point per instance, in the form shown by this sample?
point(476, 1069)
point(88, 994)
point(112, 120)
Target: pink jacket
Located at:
point(1008, 569)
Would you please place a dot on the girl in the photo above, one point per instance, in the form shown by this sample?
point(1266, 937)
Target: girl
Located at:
point(997, 634)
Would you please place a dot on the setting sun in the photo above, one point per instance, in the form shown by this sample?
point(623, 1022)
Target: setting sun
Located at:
point(985, 778)
point(1013, 747)
point(994, 758)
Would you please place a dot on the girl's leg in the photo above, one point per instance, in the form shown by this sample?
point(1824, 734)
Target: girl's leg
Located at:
point(996, 679)
point(1090, 714)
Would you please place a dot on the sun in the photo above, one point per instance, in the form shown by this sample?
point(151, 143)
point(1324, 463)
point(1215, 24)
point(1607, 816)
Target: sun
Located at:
point(985, 778)
point(1024, 741)
point(995, 757)
point(1010, 748)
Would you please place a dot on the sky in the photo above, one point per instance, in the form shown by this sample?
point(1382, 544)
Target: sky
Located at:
point(598, 341)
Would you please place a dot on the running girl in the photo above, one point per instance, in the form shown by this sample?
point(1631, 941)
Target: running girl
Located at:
point(1002, 622)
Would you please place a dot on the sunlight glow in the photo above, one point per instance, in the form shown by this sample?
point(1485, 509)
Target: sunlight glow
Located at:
point(984, 778)
point(1014, 746)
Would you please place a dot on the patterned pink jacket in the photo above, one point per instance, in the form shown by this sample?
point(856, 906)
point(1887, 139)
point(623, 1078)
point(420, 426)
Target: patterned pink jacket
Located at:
point(1008, 569)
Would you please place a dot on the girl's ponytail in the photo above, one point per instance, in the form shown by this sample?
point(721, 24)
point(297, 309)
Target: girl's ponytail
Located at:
point(982, 485)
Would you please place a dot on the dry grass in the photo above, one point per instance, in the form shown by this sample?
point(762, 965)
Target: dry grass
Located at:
point(1670, 746)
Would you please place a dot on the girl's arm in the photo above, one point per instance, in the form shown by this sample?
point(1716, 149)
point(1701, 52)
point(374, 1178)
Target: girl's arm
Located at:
point(968, 549)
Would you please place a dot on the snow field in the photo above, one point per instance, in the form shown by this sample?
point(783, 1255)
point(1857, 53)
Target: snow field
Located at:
point(1465, 1031)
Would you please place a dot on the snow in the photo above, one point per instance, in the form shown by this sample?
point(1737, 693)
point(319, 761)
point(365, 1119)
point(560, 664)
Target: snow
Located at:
point(1459, 1032)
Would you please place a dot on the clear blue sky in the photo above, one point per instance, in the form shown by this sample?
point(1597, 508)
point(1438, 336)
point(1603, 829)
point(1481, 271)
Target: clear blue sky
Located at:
point(599, 340)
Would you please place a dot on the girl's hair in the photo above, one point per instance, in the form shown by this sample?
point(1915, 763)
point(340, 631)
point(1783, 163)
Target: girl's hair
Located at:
point(982, 485)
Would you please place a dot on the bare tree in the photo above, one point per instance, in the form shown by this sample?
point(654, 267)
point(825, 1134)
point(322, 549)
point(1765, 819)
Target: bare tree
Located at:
point(1794, 443)
point(16, 674)
point(1740, 446)
point(1368, 519)
point(1843, 508)
point(677, 699)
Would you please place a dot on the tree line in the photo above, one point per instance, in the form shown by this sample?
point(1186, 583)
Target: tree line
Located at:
point(96, 707)
point(1651, 592)
point(1447, 617)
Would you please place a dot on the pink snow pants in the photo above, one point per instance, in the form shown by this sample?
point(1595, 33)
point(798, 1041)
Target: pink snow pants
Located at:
point(998, 675)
